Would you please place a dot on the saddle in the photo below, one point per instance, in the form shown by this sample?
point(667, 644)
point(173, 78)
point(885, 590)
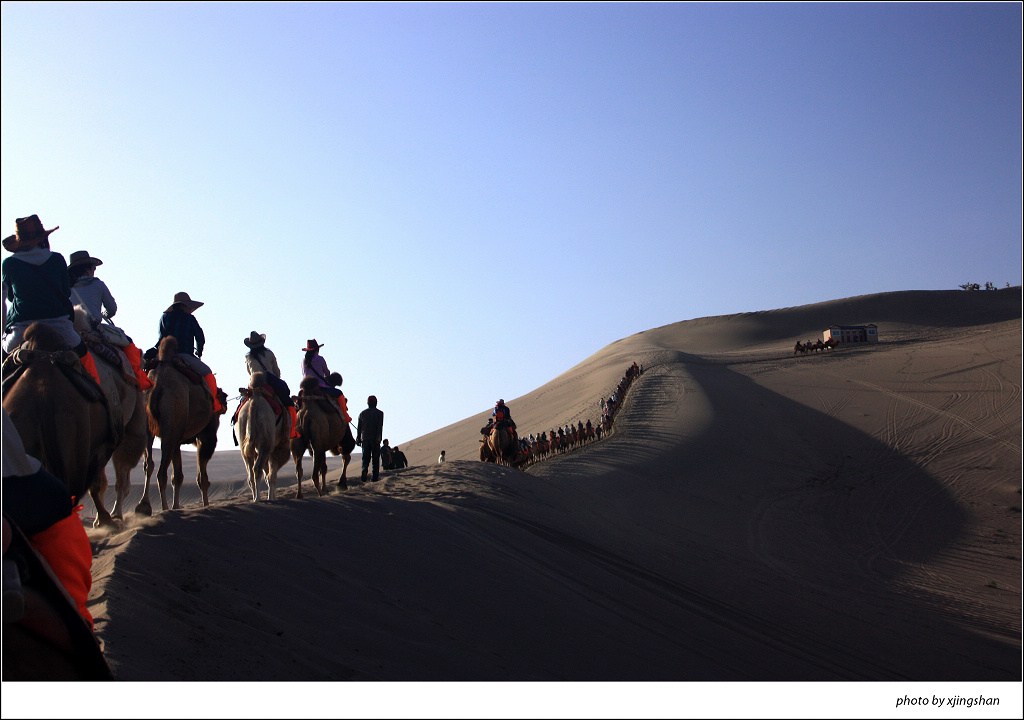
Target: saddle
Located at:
point(110, 353)
point(323, 397)
point(502, 425)
point(150, 361)
point(66, 361)
point(264, 390)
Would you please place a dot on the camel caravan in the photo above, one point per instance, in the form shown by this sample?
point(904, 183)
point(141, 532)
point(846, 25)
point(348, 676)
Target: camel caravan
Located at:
point(815, 347)
point(501, 443)
point(81, 395)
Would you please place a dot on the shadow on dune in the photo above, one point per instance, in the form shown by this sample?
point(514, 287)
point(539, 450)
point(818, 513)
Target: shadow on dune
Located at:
point(810, 545)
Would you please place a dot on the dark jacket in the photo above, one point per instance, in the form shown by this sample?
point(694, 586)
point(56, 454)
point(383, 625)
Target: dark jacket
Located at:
point(185, 329)
point(370, 428)
point(37, 291)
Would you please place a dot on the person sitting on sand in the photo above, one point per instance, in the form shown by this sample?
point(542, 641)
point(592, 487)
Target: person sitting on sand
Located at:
point(398, 460)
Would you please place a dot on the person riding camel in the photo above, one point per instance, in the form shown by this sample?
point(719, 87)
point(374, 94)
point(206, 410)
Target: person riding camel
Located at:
point(500, 414)
point(93, 294)
point(314, 365)
point(178, 321)
point(261, 358)
point(36, 281)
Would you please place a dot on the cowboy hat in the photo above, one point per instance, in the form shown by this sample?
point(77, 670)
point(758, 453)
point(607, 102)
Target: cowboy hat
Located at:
point(312, 345)
point(29, 233)
point(255, 339)
point(182, 298)
point(81, 257)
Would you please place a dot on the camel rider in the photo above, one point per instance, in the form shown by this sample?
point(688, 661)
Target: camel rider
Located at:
point(36, 281)
point(261, 358)
point(179, 322)
point(93, 294)
point(314, 365)
point(500, 414)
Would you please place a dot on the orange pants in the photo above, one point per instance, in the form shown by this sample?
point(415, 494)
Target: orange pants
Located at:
point(90, 366)
point(212, 382)
point(293, 413)
point(65, 546)
point(135, 358)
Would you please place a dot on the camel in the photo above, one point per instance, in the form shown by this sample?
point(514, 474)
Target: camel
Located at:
point(485, 452)
point(322, 429)
point(128, 406)
point(606, 424)
point(501, 445)
point(59, 411)
point(180, 411)
point(264, 436)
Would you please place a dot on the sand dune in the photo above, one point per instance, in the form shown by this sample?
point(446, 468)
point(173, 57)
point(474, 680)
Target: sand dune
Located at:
point(756, 516)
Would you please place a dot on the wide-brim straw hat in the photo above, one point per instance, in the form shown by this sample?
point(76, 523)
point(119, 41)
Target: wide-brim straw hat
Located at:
point(29, 233)
point(255, 339)
point(312, 345)
point(182, 298)
point(82, 257)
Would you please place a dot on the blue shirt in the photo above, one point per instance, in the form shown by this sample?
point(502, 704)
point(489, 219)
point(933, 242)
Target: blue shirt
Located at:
point(185, 329)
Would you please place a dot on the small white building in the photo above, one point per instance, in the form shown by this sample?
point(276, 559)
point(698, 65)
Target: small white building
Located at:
point(852, 333)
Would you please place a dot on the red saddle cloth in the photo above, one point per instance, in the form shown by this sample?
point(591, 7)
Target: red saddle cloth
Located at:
point(247, 394)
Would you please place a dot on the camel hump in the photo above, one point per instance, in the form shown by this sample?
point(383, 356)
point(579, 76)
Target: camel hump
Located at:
point(309, 386)
point(40, 336)
point(257, 379)
point(168, 348)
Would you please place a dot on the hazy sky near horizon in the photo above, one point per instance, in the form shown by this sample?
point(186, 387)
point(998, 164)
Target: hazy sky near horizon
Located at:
point(462, 201)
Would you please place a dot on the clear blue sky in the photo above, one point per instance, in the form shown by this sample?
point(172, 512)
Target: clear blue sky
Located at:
point(462, 201)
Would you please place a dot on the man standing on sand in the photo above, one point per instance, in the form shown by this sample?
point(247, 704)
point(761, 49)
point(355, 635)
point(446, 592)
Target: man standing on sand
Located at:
point(369, 431)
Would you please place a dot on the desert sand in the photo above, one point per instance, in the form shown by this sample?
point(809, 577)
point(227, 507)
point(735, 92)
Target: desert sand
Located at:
point(755, 516)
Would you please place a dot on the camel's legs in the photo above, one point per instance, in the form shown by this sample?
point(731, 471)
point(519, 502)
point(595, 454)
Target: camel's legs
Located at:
point(97, 493)
point(203, 480)
point(271, 483)
point(177, 478)
point(320, 472)
point(343, 480)
point(205, 448)
point(298, 474)
point(250, 477)
point(144, 507)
